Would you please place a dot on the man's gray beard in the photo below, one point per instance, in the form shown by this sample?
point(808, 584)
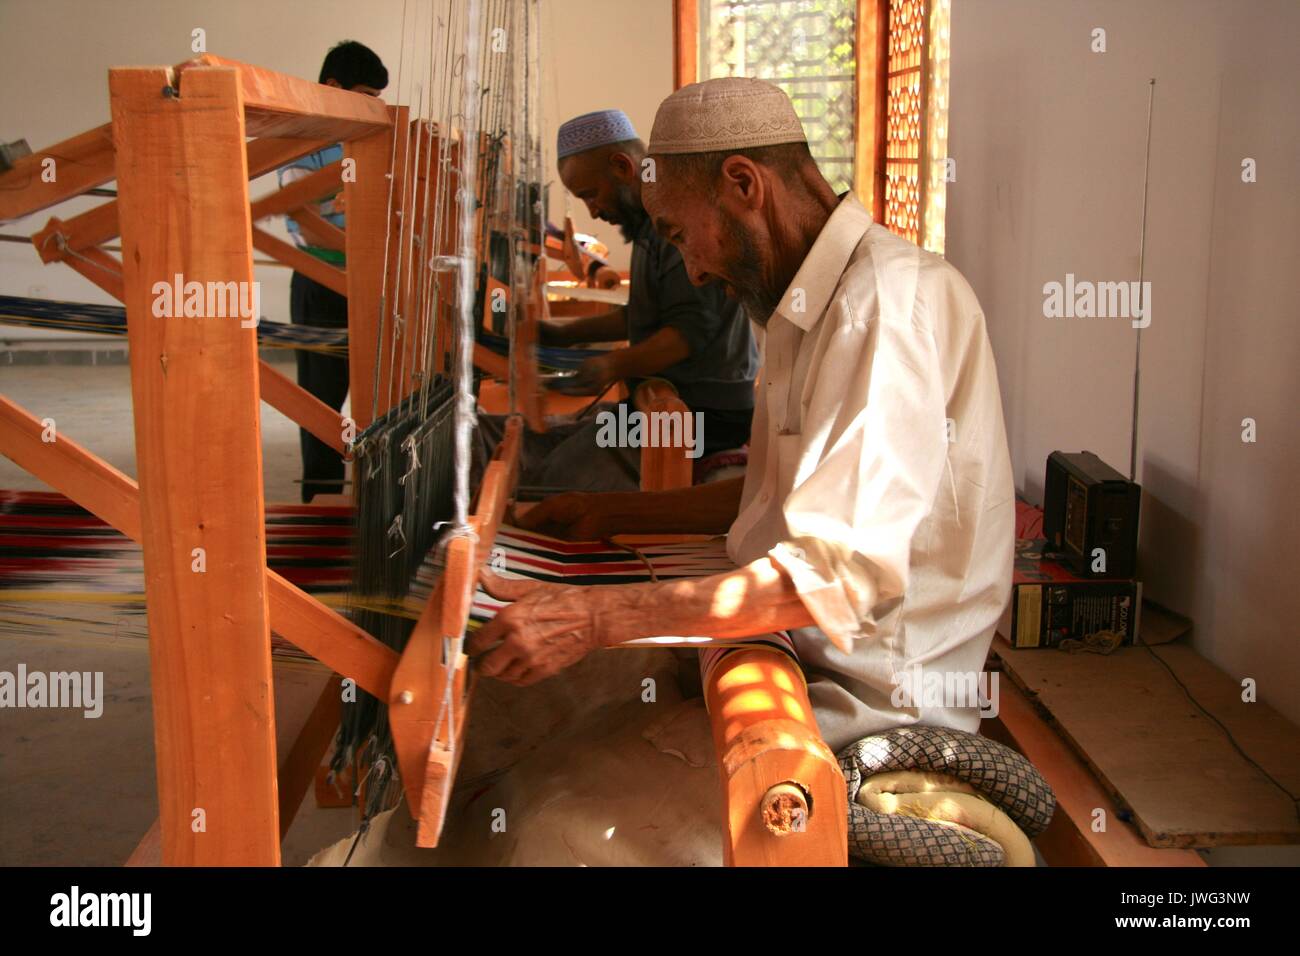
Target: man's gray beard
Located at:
point(631, 214)
point(747, 279)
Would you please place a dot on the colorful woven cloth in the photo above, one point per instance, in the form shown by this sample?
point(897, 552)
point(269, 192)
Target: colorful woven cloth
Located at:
point(64, 572)
point(931, 796)
point(521, 554)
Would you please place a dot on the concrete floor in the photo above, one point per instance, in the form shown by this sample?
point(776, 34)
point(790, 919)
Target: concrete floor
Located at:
point(81, 792)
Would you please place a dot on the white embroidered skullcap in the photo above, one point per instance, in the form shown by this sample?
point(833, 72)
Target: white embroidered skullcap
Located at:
point(591, 130)
point(734, 112)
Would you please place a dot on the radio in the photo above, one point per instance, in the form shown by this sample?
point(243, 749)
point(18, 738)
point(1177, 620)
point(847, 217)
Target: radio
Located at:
point(1090, 515)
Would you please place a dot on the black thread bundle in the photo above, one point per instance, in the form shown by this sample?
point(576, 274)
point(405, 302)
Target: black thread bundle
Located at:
point(402, 471)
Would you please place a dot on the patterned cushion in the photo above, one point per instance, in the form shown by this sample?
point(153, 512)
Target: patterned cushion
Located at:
point(998, 773)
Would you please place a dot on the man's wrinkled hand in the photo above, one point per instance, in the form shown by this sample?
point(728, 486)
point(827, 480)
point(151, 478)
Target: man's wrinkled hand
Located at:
point(547, 628)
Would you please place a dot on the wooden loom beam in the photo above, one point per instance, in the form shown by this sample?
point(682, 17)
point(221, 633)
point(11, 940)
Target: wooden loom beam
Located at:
point(664, 468)
point(83, 162)
point(776, 771)
point(114, 497)
point(195, 394)
point(277, 390)
point(314, 187)
point(318, 270)
point(428, 736)
point(782, 789)
point(367, 241)
point(276, 104)
point(97, 226)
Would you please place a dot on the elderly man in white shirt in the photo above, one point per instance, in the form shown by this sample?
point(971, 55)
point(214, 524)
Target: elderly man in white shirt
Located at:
point(875, 521)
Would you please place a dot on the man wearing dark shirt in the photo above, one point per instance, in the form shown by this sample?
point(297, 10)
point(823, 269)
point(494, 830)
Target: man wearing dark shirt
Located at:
point(693, 336)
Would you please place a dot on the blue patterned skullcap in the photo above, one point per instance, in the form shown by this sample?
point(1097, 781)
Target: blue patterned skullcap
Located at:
point(593, 129)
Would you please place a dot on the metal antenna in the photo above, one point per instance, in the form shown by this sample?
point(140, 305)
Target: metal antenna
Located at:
point(1142, 302)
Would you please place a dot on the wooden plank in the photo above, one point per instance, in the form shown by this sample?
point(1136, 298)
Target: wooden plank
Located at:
point(664, 468)
point(871, 31)
point(314, 187)
point(98, 225)
point(64, 464)
point(686, 42)
point(319, 231)
point(148, 851)
point(301, 407)
point(183, 203)
point(100, 268)
point(766, 736)
point(115, 498)
point(330, 638)
point(490, 362)
point(298, 765)
point(303, 748)
point(1157, 753)
point(80, 163)
point(428, 736)
point(332, 277)
point(366, 201)
point(277, 104)
point(1070, 839)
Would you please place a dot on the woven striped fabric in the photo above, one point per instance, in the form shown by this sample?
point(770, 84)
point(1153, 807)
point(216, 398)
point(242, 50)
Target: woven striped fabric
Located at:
point(521, 554)
point(64, 572)
point(111, 320)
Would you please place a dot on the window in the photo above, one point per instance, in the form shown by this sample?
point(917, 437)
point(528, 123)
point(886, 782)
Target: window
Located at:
point(869, 79)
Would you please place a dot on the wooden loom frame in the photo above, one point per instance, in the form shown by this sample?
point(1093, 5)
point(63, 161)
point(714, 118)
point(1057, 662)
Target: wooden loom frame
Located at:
point(176, 146)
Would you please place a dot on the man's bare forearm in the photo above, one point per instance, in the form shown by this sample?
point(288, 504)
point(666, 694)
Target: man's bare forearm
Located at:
point(607, 327)
point(756, 599)
point(666, 347)
point(699, 509)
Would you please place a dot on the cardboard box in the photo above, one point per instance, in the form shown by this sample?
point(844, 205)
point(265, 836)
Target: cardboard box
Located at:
point(1049, 602)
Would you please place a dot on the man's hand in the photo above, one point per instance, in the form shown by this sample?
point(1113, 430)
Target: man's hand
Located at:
point(605, 278)
point(574, 516)
point(548, 628)
point(594, 375)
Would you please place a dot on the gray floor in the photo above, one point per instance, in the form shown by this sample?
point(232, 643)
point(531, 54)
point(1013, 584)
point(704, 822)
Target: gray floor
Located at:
point(78, 791)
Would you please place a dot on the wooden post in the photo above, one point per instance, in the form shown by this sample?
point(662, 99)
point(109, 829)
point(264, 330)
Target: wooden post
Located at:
point(872, 39)
point(366, 200)
point(664, 468)
point(686, 42)
point(183, 203)
point(783, 795)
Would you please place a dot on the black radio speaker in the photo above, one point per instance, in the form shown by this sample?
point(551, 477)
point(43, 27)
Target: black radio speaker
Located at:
point(1090, 515)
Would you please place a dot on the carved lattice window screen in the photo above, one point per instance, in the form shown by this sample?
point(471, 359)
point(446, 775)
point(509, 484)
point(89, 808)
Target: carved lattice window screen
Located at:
point(869, 79)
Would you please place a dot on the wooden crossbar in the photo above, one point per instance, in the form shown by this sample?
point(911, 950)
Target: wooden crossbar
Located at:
point(276, 104)
point(114, 497)
point(34, 183)
point(97, 226)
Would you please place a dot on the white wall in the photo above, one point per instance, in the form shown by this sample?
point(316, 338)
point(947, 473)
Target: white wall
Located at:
point(55, 54)
point(1049, 138)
